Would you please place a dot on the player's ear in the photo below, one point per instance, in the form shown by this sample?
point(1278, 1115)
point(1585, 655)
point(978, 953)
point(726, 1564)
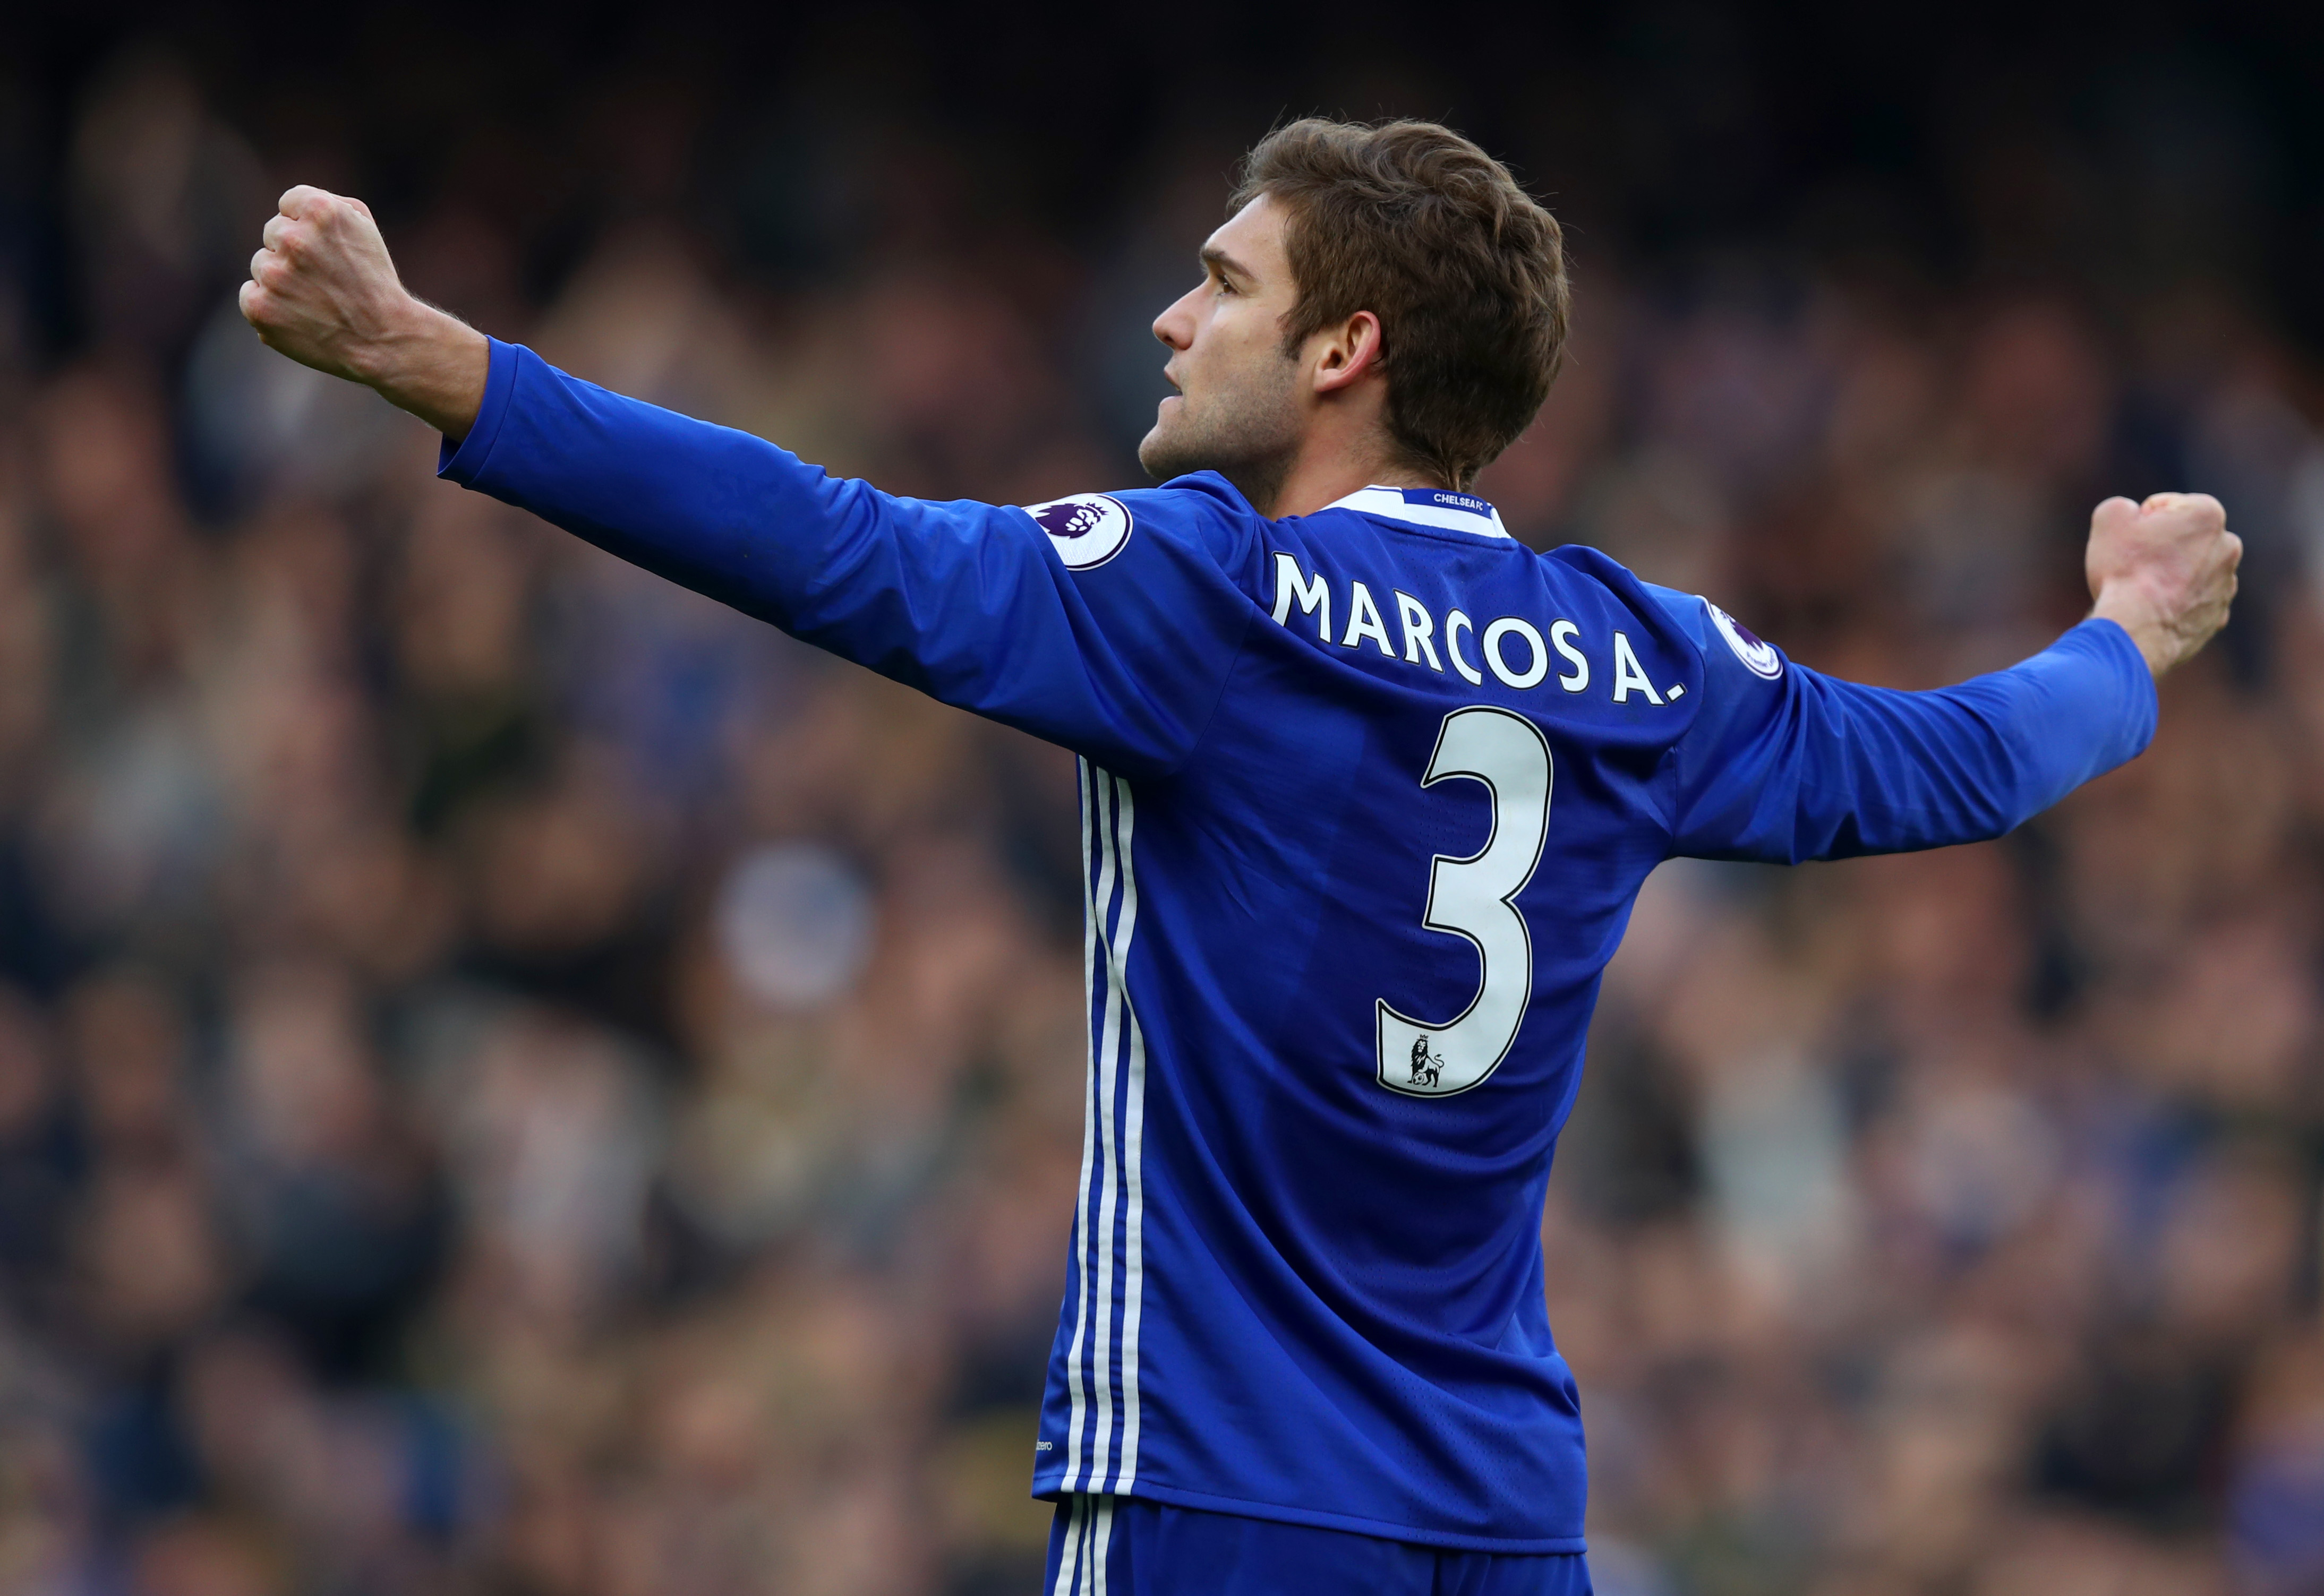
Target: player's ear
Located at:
point(1350, 351)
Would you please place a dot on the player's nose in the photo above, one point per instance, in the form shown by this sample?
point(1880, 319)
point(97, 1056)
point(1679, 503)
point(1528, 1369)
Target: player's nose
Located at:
point(1175, 325)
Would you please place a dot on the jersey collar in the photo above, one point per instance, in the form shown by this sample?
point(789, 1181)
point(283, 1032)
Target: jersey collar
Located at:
point(1427, 507)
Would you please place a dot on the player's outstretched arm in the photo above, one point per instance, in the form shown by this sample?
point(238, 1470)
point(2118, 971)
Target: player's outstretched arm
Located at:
point(323, 291)
point(1118, 658)
point(1799, 766)
point(2165, 572)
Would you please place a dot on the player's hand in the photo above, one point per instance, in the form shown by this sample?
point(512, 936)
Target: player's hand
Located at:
point(2165, 569)
point(323, 291)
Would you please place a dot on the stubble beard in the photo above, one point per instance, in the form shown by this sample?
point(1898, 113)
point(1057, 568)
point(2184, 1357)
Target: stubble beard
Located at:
point(1248, 433)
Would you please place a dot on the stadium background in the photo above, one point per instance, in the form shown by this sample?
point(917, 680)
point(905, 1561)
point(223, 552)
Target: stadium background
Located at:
point(515, 1080)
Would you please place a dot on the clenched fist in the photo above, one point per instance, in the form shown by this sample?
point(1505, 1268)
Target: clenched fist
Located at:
point(323, 291)
point(2165, 569)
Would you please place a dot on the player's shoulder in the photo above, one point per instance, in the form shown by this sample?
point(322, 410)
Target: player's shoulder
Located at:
point(1200, 515)
point(1710, 630)
point(1673, 618)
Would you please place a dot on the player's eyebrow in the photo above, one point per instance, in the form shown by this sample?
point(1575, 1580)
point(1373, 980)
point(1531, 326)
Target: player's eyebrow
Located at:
point(1217, 260)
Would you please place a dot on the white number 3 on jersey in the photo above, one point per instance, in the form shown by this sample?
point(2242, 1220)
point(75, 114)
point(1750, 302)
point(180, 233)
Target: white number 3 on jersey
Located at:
point(1476, 898)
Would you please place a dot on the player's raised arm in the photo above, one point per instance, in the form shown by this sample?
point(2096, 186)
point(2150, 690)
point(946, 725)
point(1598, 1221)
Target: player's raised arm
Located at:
point(1786, 764)
point(1068, 626)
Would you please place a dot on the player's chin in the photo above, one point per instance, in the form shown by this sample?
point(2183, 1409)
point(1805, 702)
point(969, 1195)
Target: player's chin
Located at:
point(1162, 453)
point(1181, 443)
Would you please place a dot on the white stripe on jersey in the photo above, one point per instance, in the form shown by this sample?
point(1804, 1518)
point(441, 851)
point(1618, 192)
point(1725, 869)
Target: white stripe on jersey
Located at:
point(1110, 1194)
point(1089, 1140)
point(1133, 1109)
point(1113, 1161)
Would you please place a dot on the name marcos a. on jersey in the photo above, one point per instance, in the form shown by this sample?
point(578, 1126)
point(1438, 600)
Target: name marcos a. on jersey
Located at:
point(1366, 796)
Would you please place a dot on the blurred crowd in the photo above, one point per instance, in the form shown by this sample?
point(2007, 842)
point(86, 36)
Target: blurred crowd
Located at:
point(516, 1080)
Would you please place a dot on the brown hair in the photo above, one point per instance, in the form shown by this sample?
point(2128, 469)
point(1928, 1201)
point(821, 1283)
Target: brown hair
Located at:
point(1412, 222)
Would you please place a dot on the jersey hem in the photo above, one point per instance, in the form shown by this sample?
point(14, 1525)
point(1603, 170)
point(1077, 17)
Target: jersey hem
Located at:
point(463, 461)
point(1378, 1529)
point(2133, 662)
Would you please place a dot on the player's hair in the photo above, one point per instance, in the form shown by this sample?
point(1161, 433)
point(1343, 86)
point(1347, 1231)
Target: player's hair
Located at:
point(1412, 222)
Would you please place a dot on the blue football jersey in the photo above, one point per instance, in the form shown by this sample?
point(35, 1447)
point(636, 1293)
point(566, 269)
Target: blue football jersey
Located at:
point(1366, 797)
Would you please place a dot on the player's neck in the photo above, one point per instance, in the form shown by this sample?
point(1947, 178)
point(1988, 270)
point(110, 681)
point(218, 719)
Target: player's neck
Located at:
point(1318, 479)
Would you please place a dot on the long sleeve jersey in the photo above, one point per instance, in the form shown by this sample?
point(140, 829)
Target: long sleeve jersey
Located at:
point(1366, 797)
